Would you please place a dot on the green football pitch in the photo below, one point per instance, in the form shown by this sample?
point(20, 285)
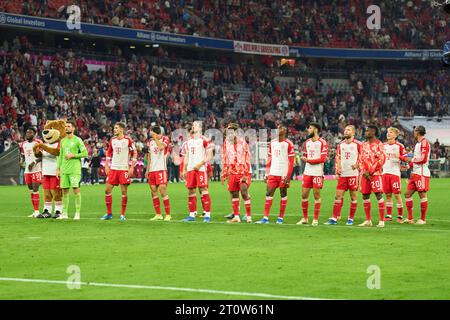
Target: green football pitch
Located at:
point(140, 259)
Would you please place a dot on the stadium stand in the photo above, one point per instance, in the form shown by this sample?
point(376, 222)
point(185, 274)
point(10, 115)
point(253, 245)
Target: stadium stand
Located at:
point(139, 91)
point(326, 23)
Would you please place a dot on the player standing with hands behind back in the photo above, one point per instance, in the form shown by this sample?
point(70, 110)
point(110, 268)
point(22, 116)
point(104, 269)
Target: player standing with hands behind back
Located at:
point(347, 164)
point(373, 158)
point(420, 176)
point(315, 152)
point(197, 153)
point(119, 172)
point(280, 163)
point(68, 168)
point(33, 167)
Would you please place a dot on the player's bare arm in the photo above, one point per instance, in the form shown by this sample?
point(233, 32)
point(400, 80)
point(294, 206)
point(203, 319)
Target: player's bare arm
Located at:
point(107, 165)
point(149, 158)
point(185, 163)
point(133, 163)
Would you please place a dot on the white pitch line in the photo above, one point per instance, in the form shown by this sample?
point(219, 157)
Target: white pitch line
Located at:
point(132, 286)
point(354, 227)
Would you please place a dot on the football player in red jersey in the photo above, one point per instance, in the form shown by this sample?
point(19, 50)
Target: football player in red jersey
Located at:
point(372, 160)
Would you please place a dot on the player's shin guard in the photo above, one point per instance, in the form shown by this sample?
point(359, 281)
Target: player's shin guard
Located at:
point(389, 206)
point(381, 208)
point(166, 203)
point(157, 205)
point(317, 204)
point(192, 205)
point(108, 202)
point(367, 208)
point(283, 204)
point(77, 203)
point(409, 207)
point(353, 206)
point(206, 203)
point(124, 205)
point(65, 210)
point(235, 206)
point(337, 208)
point(35, 199)
point(267, 206)
point(305, 208)
point(400, 210)
point(423, 208)
point(248, 207)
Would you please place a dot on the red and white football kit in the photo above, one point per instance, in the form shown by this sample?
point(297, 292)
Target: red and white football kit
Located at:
point(119, 151)
point(157, 169)
point(420, 177)
point(372, 158)
point(194, 151)
point(236, 166)
point(280, 163)
point(316, 155)
point(157, 172)
point(34, 175)
point(347, 157)
point(395, 152)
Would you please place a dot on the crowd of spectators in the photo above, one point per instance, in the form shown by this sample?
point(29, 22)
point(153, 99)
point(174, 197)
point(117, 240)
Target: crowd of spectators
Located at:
point(35, 88)
point(331, 23)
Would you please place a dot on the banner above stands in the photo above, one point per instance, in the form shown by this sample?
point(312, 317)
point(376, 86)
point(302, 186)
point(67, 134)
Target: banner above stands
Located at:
point(374, 54)
point(261, 48)
point(105, 31)
point(88, 29)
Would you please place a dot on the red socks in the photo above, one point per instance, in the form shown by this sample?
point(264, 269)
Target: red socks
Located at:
point(305, 208)
point(124, 204)
point(108, 202)
point(235, 205)
point(166, 203)
point(381, 208)
point(337, 208)
point(423, 208)
point(192, 203)
point(409, 207)
point(267, 206)
point(353, 206)
point(400, 210)
point(35, 199)
point(248, 207)
point(157, 205)
point(367, 208)
point(283, 204)
point(389, 208)
point(317, 204)
point(206, 201)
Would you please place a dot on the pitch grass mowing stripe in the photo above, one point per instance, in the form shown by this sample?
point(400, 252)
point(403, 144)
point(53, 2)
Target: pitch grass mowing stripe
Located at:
point(355, 227)
point(132, 286)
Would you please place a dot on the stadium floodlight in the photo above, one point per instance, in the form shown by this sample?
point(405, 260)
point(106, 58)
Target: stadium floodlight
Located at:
point(445, 4)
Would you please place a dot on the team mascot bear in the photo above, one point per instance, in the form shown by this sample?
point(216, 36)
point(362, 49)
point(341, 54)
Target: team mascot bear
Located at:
point(54, 131)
